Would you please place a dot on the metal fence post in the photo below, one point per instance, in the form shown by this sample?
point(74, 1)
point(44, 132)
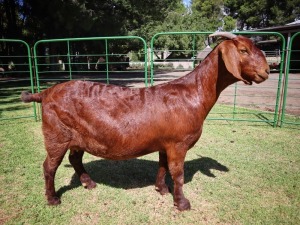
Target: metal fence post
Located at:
point(288, 64)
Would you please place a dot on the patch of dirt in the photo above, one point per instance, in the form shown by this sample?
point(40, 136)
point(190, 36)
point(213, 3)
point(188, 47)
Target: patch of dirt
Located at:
point(258, 96)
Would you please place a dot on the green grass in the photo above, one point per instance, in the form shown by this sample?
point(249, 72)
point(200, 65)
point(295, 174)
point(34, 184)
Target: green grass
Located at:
point(237, 173)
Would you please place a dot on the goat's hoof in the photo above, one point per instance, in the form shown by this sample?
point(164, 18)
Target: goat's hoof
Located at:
point(54, 201)
point(90, 185)
point(183, 205)
point(87, 182)
point(164, 189)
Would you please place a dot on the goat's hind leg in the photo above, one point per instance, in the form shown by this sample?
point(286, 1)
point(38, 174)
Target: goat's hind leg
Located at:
point(51, 163)
point(160, 184)
point(75, 159)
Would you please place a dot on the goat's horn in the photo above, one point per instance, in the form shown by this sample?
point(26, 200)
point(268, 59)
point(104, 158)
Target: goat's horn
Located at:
point(223, 34)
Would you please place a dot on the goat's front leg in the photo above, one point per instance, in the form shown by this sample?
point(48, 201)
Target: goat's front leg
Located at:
point(176, 168)
point(75, 159)
point(160, 184)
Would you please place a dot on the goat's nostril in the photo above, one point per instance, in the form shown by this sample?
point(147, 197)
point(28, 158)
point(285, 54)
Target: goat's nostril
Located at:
point(268, 71)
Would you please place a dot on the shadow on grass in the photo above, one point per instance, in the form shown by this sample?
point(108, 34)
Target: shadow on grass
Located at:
point(138, 173)
point(264, 118)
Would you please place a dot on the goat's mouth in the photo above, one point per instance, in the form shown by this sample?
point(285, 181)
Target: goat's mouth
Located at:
point(257, 78)
point(248, 82)
point(261, 78)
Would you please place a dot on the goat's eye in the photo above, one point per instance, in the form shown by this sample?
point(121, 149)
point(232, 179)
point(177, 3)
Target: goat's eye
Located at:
point(244, 51)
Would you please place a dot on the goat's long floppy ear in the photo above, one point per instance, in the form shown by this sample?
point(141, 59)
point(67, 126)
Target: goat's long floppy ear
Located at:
point(230, 55)
point(231, 59)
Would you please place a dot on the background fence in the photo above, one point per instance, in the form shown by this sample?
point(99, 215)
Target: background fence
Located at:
point(264, 98)
point(15, 76)
point(291, 98)
point(104, 59)
point(107, 59)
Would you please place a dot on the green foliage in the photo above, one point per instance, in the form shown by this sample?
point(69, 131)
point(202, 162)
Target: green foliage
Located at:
point(210, 9)
point(229, 23)
point(263, 13)
point(77, 18)
point(183, 19)
point(32, 20)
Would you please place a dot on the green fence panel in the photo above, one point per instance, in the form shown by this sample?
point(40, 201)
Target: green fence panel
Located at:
point(15, 76)
point(104, 59)
point(256, 103)
point(291, 98)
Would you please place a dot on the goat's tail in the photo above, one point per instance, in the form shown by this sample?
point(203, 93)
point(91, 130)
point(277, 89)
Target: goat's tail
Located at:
point(28, 97)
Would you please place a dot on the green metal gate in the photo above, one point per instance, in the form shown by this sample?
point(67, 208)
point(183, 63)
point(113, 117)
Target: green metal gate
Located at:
point(105, 59)
point(15, 76)
point(238, 102)
point(291, 98)
point(95, 58)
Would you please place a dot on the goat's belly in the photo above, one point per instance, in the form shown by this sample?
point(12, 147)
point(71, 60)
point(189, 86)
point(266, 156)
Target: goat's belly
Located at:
point(118, 154)
point(113, 151)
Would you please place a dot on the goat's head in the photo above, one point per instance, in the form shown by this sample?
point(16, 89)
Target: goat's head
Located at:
point(242, 58)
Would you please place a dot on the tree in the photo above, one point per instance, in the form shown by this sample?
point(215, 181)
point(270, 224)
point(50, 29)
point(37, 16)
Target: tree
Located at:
point(32, 20)
point(230, 23)
point(180, 19)
point(211, 9)
point(283, 12)
point(10, 19)
point(263, 13)
point(77, 18)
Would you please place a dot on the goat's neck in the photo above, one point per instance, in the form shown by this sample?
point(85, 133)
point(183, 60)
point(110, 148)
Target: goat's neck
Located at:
point(212, 78)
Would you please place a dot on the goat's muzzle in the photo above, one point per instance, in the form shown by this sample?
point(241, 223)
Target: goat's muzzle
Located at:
point(262, 76)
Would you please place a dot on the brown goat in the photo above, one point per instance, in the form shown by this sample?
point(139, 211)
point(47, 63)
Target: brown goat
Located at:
point(118, 123)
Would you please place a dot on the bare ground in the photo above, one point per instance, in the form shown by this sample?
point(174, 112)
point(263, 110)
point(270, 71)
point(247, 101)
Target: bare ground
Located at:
point(262, 96)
